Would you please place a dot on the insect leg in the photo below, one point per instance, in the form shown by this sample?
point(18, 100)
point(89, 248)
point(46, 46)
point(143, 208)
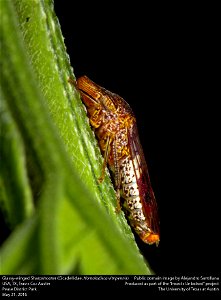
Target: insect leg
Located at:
point(106, 154)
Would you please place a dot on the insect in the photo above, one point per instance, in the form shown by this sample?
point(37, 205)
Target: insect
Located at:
point(115, 128)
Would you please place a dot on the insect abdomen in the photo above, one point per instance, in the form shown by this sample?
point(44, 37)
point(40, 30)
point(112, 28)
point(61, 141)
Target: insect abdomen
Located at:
point(133, 202)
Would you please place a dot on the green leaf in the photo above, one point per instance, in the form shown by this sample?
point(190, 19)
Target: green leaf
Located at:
point(73, 227)
point(16, 196)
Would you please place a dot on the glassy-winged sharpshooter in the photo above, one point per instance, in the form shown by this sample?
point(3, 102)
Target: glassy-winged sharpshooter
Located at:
point(116, 130)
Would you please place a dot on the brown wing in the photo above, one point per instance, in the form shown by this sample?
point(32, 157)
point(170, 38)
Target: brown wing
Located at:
point(146, 192)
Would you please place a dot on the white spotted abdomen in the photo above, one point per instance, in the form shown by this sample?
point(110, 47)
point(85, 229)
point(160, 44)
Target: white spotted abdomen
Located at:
point(130, 193)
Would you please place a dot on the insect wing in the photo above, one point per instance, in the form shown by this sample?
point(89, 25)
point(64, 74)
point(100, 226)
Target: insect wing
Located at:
point(143, 180)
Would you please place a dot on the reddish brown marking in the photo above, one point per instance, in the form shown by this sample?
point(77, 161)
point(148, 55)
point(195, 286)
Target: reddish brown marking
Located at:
point(115, 127)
